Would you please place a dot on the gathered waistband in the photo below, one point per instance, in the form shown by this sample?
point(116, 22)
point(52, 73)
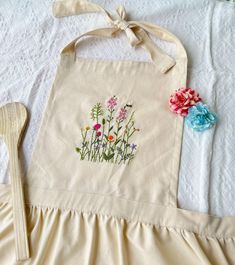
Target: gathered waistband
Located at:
point(148, 213)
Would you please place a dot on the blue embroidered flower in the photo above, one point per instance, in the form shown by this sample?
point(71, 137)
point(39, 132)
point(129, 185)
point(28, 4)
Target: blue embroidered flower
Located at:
point(199, 117)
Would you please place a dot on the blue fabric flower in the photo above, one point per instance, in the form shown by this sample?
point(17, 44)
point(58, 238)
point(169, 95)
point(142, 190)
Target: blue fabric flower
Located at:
point(199, 117)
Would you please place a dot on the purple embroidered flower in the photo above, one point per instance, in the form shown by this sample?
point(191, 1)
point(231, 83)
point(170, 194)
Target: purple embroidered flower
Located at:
point(133, 147)
point(97, 126)
point(111, 103)
point(97, 147)
point(122, 114)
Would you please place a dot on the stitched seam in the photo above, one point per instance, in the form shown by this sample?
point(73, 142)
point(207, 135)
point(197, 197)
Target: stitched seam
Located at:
point(128, 220)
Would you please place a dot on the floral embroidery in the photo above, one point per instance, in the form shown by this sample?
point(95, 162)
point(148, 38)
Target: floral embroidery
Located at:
point(200, 118)
point(186, 102)
point(110, 136)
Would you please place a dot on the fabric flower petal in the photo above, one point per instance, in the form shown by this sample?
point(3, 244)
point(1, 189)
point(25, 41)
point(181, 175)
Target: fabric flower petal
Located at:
point(182, 100)
point(200, 118)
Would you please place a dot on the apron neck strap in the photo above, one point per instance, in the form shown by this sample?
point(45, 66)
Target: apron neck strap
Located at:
point(136, 32)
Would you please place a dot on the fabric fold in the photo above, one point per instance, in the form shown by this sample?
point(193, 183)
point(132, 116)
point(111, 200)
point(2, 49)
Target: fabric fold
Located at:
point(99, 239)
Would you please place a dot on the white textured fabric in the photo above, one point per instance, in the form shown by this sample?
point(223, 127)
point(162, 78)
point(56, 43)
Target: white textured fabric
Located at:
point(30, 42)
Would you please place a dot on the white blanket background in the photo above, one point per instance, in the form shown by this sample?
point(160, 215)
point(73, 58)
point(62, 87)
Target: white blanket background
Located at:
point(30, 42)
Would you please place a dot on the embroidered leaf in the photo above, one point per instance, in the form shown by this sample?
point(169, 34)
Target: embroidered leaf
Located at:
point(103, 121)
point(111, 156)
point(108, 157)
point(105, 156)
point(78, 149)
point(110, 129)
point(117, 141)
point(97, 111)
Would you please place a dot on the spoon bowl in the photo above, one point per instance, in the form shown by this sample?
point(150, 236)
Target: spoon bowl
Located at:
point(13, 118)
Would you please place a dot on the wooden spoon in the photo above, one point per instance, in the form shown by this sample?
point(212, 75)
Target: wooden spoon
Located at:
point(13, 120)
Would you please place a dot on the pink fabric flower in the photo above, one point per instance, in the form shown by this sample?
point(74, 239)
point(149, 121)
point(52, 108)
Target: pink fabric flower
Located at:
point(182, 100)
point(111, 103)
point(122, 114)
point(97, 126)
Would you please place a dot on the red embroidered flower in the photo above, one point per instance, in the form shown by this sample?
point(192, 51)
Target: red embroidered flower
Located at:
point(182, 100)
point(97, 126)
point(98, 133)
point(110, 138)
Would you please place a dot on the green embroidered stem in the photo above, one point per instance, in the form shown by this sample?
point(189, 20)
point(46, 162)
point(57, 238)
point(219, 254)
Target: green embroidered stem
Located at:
point(102, 139)
point(110, 118)
point(93, 149)
point(126, 146)
point(83, 144)
point(117, 140)
point(131, 157)
point(91, 143)
point(125, 141)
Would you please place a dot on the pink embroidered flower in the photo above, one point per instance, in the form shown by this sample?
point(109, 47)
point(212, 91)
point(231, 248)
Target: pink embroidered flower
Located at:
point(111, 103)
point(98, 134)
point(97, 126)
point(182, 100)
point(122, 114)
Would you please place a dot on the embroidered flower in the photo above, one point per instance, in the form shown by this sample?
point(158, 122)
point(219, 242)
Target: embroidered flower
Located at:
point(200, 118)
point(111, 103)
point(133, 147)
point(111, 135)
point(97, 147)
point(97, 126)
point(122, 114)
point(98, 133)
point(110, 138)
point(182, 100)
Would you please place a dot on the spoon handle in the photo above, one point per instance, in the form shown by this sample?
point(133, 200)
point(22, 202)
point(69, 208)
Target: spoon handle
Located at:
point(19, 216)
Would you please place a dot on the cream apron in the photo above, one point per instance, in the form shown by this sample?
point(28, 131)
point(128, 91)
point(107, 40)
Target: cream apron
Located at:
point(102, 184)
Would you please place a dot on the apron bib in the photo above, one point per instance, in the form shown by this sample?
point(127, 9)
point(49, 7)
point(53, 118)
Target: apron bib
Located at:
point(108, 146)
point(108, 122)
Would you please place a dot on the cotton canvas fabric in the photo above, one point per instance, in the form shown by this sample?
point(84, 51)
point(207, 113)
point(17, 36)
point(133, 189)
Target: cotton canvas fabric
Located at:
point(80, 211)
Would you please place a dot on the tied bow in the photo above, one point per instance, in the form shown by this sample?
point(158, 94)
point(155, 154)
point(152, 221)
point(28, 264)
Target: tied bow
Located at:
point(136, 32)
point(123, 25)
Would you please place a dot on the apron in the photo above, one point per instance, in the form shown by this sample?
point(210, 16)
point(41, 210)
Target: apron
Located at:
point(101, 187)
